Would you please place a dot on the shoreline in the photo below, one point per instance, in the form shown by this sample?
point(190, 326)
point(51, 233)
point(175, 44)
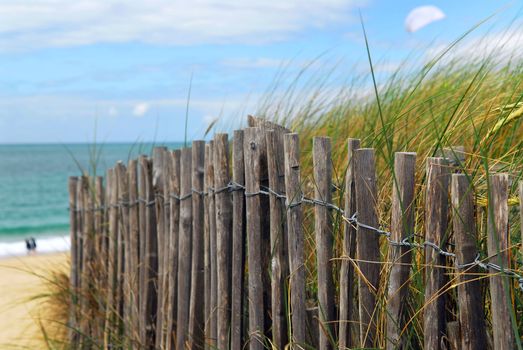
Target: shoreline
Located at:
point(22, 279)
point(45, 245)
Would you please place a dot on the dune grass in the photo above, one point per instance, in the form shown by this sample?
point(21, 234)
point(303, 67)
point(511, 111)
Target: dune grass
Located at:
point(428, 106)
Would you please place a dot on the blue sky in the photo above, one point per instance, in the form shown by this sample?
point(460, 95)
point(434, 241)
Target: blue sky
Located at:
point(123, 68)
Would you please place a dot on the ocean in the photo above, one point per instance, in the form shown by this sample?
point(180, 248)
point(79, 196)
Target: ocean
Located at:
point(33, 188)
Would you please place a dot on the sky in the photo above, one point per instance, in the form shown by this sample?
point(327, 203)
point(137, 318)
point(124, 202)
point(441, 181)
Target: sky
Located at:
point(120, 71)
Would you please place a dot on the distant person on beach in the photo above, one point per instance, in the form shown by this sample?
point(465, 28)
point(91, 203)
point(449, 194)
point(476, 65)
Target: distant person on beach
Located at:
point(30, 244)
point(33, 244)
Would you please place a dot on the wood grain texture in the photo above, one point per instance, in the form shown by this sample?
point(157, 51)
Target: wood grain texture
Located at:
point(223, 205)
point(238, 244)
point(158, 186)
point(213, 318)
point(112, 261)
point(88, 269)
point(142, 161)
point(322, 163)
point(254, 142)
point(174, 207)
point(348, 315)
point(150, 302)
point(367, 245)
point(402, 226)
point(436, 216)
point(73, 279)
point(209, 186)
point(122, 295)
point(471, 314)
point(134, 252)
point(278, 237)
point(196, 307)
point(497, 243)
point(184, 250)
point(295, 241)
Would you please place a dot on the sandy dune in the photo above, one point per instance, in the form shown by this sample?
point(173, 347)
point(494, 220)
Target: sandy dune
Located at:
point(18, 283)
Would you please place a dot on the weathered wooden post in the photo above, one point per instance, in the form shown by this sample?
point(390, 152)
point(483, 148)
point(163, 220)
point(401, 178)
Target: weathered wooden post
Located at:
point(223, 237)
point(323, 228)
point(196, 307)
point(471, 315)
point(133, 250)
point(174, 226)
point(184, 250)
point(149, 293)
point(238, 243)
point(367, 244)
point(497, 242)
point(112, 270)
point(278, 237)
point(213, 317)
point(436, 208)
point(159, 155)
point(253, 142)
point(73, 279)
point(295, 241)
point(348, 332)
point(402, 227)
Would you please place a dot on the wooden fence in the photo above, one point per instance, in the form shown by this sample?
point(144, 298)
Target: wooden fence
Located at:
point(204, 247)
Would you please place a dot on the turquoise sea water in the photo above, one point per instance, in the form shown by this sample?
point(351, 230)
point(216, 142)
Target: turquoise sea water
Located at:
point(33, 183)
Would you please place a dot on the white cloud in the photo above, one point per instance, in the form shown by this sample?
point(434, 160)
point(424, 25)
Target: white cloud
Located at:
point(30, 24)
point(140, 109)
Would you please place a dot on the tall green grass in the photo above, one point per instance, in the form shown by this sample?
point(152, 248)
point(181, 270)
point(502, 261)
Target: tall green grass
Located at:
point(430, 103)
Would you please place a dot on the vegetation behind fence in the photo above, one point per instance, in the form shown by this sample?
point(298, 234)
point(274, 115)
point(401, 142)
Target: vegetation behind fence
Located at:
point(205, 247)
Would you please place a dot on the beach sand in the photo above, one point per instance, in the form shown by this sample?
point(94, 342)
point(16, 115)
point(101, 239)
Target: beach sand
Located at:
point(18, 283)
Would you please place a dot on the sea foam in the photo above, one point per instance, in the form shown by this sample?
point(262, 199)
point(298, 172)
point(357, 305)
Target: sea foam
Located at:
point(43, 245)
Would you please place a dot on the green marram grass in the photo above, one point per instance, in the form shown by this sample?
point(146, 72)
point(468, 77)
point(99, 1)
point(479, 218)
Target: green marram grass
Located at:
point(447, 101)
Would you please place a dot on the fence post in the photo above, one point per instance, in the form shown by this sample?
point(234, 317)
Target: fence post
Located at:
point(150, 300)
point(347, 315)
point(238, 244)
point(196, 308)
point(208, 185)
point(112, 269)
point(122, 297)
point(253, 143)
point(174, 226)
point(223, 237)
point(142, 208)
point(184, 250)
point(99, 217)
point(471, 315)
point(295, 241)
point(73, 279)
point(278, 232)
point(213, 317)
point(98, 256)
point(133, 250)
point(367, 244)
point(322, 163)
point(497, 242)
point(158, 185)
point(402, 227)
point(88, 242)
point(436, 208)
